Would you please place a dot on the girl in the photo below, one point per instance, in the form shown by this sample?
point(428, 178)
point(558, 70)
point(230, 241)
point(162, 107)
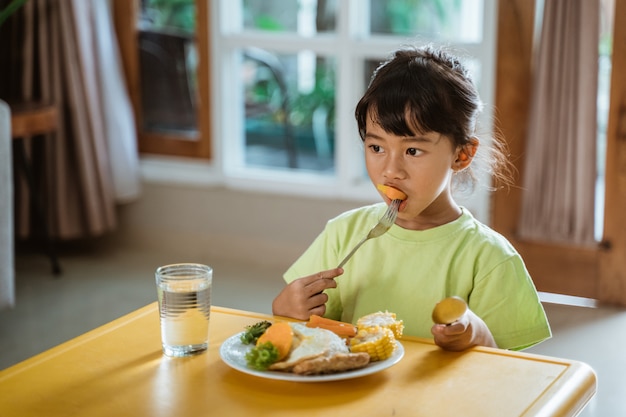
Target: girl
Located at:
point(417, 121)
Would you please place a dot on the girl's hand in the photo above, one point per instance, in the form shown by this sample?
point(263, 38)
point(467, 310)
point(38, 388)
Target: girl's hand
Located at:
point(304, 296)
point(470, 330)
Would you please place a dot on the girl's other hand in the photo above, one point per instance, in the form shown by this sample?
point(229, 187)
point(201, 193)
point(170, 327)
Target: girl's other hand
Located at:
point(304, 296)
point(470, 330)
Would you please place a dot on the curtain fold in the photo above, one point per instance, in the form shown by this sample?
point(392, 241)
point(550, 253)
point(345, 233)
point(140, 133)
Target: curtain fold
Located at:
point(70, 58)
point(559, 176)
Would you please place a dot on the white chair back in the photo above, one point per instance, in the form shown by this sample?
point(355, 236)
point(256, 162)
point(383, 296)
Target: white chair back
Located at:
point(7, 249)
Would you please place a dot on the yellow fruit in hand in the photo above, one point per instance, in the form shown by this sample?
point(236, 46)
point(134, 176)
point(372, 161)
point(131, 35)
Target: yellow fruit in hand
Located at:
point(449, 310)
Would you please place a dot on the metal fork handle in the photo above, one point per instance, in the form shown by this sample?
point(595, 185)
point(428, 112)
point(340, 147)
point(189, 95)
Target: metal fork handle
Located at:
point(390, 214)
point(342, 263)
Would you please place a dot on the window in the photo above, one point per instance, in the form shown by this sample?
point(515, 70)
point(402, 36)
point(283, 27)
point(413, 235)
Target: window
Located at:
point(163, 45)
point(285, 77)
point(168, 67)
point(604, 92)
point(288, 74)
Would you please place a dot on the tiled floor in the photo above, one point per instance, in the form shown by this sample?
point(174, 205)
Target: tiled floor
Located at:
point(104, 281)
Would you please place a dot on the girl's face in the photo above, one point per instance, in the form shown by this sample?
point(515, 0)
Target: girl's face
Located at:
point(420, 166)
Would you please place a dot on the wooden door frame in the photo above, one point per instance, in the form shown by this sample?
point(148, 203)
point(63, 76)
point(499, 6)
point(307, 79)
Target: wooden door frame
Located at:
point(592, 272)
point(612, 285)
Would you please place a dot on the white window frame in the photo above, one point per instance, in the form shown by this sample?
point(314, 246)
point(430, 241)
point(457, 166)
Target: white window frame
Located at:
point(349, 46)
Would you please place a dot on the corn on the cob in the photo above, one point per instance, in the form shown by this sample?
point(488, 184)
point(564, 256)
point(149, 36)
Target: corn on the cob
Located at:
point(376, 341)
point(386, 319)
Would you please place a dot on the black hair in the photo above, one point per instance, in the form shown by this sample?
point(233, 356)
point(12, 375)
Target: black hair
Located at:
point(421, 90)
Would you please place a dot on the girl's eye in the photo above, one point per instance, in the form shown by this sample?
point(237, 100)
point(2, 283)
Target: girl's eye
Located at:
point(375, 148)
point(413, 151)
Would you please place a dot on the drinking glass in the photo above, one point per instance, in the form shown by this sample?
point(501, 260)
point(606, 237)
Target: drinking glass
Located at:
point(184, 292)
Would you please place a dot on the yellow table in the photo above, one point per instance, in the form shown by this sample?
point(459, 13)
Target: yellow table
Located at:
point(118, 370)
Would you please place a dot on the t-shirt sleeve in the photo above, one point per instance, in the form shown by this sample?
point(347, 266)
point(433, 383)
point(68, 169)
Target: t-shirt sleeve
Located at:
point(506, 299)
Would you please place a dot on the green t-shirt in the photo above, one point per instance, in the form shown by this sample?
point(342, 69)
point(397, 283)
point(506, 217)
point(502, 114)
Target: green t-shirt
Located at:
point(408, 271)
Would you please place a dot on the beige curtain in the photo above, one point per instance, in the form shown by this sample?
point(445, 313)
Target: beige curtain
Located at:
point(560, 159)
point(70, 59)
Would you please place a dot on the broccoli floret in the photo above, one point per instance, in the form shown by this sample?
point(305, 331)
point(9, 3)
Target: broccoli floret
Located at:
point(262, 356)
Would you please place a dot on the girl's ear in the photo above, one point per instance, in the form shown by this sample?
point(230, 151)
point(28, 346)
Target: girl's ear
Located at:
point(465, 154)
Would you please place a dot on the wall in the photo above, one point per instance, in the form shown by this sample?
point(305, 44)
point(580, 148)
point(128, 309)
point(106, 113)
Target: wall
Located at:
point(205, 221)
point(211, 221)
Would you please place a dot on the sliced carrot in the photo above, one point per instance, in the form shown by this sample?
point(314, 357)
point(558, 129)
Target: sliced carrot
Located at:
point(340, 328)
point(280, 335)
point(392, 193)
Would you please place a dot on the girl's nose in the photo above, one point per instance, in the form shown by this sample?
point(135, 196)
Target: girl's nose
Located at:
point(394, 167)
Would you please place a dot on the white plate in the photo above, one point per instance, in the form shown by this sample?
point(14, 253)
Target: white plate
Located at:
point(233, 353)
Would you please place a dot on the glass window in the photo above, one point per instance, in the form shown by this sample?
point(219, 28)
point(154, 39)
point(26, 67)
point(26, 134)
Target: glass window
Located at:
point(305, 17)
point(288, 74)
point(289, 102)
point(604, 92)
point(442, 20)
point(168, 67)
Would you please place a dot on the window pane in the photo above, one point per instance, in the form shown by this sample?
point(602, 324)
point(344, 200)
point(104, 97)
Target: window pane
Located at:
point(605, 51)
point(447, 20)
point(170, 15)
point(168, 67)
point(305, 17)
point(289, 104)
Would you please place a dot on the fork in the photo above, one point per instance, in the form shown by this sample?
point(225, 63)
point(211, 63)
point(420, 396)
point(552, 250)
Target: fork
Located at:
point(380, 228)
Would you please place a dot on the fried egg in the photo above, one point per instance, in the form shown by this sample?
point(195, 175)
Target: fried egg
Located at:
point(309, 343)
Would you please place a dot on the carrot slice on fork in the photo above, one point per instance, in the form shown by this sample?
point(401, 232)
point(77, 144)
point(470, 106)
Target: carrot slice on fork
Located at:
point(392, 193)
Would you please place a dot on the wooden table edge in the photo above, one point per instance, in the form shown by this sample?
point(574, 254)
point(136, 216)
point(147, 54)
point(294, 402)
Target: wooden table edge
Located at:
point(575, 386)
